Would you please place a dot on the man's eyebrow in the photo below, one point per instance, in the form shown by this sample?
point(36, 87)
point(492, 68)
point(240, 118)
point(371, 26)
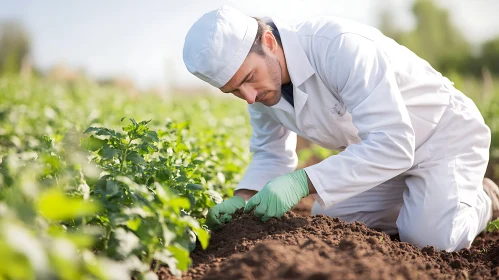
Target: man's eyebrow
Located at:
point(245, 78)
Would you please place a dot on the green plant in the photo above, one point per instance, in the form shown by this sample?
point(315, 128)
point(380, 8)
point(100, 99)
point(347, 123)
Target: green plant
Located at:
point(149, 195)
point(43, 234)
point(493, 226)
point(148, 186)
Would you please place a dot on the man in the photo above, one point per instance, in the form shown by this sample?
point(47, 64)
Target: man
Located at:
point(414, 148)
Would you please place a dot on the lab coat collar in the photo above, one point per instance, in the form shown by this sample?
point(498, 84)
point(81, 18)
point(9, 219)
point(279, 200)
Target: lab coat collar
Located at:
point(299, 67)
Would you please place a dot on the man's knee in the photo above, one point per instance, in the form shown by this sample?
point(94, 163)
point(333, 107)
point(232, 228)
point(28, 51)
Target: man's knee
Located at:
point(443, 234)
point(317, 209)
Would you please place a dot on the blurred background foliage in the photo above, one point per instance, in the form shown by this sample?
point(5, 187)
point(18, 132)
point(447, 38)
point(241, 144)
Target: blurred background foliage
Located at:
point(117, 197)
point(43, 116)
point(14, 47)
point(439, 42)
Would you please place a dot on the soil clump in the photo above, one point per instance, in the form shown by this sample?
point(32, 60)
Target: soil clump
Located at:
point(320, 247)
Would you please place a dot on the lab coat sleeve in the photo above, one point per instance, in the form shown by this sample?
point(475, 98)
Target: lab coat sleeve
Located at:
point(363, 77)
point(273, 147)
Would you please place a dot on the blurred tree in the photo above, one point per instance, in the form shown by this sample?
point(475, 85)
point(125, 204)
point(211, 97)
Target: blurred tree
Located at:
point(14, 47)
point(387, 24)
point(490, 55)
point(435, 38)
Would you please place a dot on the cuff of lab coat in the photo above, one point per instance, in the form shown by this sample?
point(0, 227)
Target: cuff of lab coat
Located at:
point(321, 196)
point(249, 187)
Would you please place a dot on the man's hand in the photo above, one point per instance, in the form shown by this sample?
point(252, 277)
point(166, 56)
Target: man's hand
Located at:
point(221, 213)
point(279, 195)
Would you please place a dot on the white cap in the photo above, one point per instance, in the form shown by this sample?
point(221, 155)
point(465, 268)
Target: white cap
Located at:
point(218, 43)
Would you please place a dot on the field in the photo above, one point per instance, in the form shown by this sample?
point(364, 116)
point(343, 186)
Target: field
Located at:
point(100, 184)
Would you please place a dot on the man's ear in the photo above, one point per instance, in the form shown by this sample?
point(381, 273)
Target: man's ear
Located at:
point(269, 41)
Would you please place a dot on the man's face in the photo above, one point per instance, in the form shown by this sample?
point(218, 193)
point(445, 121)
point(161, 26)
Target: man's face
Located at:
point(257, 80)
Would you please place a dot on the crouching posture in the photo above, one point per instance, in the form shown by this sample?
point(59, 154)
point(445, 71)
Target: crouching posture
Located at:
point(414, 149)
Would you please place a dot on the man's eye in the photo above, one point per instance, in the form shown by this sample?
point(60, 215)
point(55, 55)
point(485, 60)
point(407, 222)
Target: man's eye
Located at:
point(251, 78)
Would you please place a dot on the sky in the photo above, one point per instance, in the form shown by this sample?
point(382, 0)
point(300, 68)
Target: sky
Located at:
point(143, 40)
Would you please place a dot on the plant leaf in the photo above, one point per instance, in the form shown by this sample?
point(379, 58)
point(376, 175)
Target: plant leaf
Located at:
point(128, 241)
point(194, 187)
point(112, 188)
point(108, 152)
point(135, 158)
point(53, 204)
point(181, 255)
point(202, 236)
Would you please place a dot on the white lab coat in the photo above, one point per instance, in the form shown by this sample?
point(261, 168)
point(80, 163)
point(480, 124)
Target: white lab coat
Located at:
point(358, 91)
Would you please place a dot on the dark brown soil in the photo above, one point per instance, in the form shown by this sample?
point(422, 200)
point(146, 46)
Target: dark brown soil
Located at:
point(304, 207)
point(320, 247)
point(303, 247)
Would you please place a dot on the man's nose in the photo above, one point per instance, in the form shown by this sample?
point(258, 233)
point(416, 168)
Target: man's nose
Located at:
point(248, 93)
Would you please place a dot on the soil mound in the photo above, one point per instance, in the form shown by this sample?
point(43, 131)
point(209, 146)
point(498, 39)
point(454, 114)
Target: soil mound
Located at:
point(320, 247)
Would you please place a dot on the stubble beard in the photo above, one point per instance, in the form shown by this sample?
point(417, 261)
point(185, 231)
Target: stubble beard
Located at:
point(275, 71)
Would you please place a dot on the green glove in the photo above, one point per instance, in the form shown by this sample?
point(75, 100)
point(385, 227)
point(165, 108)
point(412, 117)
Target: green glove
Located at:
point(279, 195)
point(221, 213)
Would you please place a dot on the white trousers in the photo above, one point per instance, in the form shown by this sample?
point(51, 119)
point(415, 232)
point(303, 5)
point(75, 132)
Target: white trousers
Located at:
point(440, 201)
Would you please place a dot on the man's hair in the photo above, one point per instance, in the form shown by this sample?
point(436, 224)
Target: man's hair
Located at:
point(257, 44)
